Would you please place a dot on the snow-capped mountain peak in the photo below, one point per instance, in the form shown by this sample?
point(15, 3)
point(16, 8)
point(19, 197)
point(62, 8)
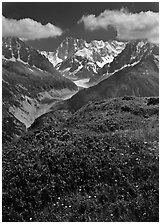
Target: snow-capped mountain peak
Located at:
point(75, 58)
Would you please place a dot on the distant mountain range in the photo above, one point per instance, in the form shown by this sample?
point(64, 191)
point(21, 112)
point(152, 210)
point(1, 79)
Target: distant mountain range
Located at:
point(87, 64)
point(76, 59)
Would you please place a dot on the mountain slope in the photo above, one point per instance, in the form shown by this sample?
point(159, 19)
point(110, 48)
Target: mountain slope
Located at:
point(140, 79)
point(132, 54)
point(29, 80)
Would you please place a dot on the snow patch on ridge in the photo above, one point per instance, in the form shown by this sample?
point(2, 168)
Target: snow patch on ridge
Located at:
point(125, 66)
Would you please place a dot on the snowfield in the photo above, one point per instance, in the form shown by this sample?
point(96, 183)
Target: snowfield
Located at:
point(82, 83)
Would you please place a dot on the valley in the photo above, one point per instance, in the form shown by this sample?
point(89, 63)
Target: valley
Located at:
point(131, 70)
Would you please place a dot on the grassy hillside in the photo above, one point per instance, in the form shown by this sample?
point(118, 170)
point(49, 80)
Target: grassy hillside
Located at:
point(99, 164)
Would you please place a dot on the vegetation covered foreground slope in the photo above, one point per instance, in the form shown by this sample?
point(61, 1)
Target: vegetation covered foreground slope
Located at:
point(99, 164)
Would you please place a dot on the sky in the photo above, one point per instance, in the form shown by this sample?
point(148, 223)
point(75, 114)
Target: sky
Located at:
point(44, 25)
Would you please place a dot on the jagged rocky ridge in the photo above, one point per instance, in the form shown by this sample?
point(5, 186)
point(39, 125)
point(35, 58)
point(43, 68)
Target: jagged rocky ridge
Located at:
point(77, 59)
point(133, 53)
